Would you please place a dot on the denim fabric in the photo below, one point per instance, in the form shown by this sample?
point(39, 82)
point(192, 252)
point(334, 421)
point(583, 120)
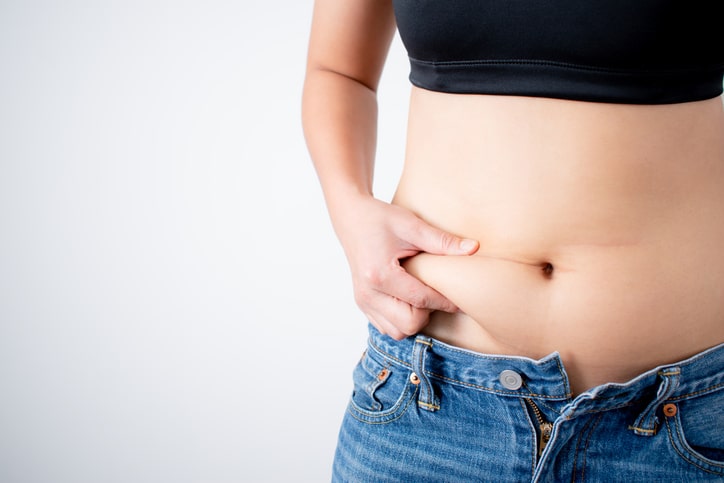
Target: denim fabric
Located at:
point(425, 411)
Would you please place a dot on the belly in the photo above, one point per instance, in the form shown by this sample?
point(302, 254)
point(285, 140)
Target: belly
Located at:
point(601, 227)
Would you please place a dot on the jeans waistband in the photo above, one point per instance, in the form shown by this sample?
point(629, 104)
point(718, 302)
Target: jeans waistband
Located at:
point(517, 376)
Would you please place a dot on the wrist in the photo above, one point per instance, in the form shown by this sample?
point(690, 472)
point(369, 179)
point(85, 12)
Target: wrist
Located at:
point(345, 200)
point(349, 212)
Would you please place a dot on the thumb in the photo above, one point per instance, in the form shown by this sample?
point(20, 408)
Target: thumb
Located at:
point(432, 240)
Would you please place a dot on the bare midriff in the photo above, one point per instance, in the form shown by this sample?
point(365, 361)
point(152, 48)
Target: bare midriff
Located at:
point(601, 227)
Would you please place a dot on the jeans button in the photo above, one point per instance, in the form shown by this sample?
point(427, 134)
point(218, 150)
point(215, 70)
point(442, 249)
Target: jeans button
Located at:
point(511, 380)
point(670, 410)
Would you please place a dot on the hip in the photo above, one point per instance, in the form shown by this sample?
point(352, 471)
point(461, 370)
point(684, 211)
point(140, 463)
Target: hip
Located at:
point(423, 410)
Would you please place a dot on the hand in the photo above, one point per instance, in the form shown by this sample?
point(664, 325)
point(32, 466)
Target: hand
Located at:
point(376, 236)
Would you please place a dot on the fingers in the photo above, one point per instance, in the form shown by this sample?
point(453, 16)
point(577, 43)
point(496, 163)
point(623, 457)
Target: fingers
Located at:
point(393, 280)
point(433, 240)
point(395, 302)
point(396, 318)
point(398, 283)
point(384, 326)
point(398, 304)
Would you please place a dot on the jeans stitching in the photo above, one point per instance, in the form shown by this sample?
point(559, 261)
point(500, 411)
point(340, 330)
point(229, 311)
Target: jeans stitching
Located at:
point(427, 396)
point(647, 422)
point(382, 418)
point(463, 383)
point(534, 437)
point(497, 391)
point(578, 444)
point(689, 458)
point(680, 397)
point(545, 404)
point(585, 450)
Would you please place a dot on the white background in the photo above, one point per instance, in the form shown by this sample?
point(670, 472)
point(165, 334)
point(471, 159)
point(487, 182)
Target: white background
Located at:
point(174, 306)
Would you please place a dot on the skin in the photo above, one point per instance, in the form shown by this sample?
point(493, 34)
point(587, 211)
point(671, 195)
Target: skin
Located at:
point(347, 50)
point(595, 230)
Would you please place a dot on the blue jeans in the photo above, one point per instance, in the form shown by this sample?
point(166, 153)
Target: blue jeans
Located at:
point(425, 411)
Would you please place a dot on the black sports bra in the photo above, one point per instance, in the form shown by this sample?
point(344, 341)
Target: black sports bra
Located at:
point(621, 51)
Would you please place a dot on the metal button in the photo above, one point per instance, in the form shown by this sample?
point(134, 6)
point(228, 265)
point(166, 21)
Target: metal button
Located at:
point(414, 379)
point(670, 410)
point(511, 380)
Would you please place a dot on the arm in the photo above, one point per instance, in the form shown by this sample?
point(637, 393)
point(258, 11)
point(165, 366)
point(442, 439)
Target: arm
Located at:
point(347, 50)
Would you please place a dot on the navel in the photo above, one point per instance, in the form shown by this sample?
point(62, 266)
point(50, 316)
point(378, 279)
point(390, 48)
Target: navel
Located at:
point(547, 269)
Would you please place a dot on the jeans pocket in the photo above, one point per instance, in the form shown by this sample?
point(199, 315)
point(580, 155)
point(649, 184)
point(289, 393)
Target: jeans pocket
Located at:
point(696, 431)
point(382, 391)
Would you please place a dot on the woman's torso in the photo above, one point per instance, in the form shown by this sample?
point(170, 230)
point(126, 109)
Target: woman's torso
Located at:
point(601, 227)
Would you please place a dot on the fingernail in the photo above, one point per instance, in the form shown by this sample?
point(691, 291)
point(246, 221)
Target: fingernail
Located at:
point(467, 245)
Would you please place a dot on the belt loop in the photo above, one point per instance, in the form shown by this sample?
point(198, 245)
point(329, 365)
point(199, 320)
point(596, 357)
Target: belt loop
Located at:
point(426, 399)
point(648, 421)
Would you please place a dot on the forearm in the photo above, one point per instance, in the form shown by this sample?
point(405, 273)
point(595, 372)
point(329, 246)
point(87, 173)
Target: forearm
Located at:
point(347, 49)
point(339, 116)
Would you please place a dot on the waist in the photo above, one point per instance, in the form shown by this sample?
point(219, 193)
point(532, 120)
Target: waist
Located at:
point(544, 378)
point(600, 227)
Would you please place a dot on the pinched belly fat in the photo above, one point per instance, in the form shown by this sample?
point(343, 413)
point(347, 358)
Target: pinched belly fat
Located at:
point(601, 228)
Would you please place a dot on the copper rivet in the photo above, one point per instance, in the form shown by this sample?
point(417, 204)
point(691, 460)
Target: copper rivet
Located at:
point(382, 374)
point(414, 379)
point(670, 410)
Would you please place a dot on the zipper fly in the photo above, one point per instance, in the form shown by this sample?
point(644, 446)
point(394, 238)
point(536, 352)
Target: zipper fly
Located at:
point(545, 428)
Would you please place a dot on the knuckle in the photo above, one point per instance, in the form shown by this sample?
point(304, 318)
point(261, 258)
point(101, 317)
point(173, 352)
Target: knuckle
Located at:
point(407, 330)
point(420, 300)
point(398, 336)
point(410, 326)
point(417, 229)
point(373, 277)
point(447, 241)
point(363, 297)
point(394, 332)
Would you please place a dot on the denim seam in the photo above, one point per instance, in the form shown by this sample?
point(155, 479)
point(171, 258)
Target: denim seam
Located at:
point(575, 414)
point(585, 449)
point(697, 393)
point(686, 457)
point(576, 448)
point(501, 358)
point(545, 404)
point(567, 395)
point(389, 356)
point(381, 418)
point(426, 398)
point(432, 407)
point(449, 348)
point(642, 430)
point(498, 391)
point(371, 387)
point(468, 384)
point(423, 341)
point(647, 422)
point(534, 437)
point(563, 374)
